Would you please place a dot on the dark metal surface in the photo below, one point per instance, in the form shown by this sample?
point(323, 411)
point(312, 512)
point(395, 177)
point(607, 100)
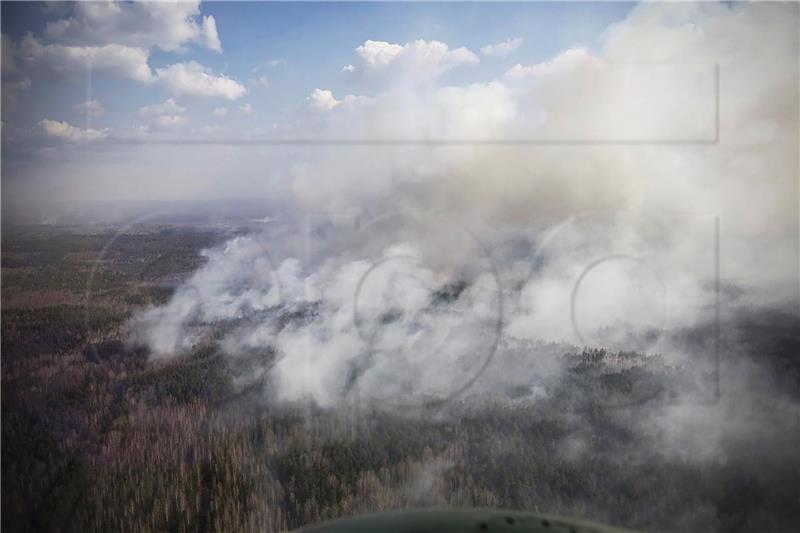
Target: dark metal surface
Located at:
point(455, 520)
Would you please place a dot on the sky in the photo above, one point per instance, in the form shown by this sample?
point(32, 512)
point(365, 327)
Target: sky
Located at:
point(231, 71)
point(273, 54)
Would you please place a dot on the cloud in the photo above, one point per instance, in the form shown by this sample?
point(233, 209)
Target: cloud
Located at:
point(518, 72)
point(166, 25)
point(193, 79)
point(502, 49)
point(263, 81)
point(69, 133)
point(210, 38)
point(322, 99)
point(169, 107)
point(418, 59)
point(90, 108)
point(165, 122)
point(221, 112)
point(566, 61)
point(378, 53)
point(188, 78)
point(166, 115)
point(115, 38)
point(348, 68)
point(246, 109)
point(73, 61)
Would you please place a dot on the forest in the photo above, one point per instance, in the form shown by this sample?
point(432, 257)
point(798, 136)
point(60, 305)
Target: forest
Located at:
point(99, 436)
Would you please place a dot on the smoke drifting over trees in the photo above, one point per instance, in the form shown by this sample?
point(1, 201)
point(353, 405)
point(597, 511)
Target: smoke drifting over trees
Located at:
point(612, 236)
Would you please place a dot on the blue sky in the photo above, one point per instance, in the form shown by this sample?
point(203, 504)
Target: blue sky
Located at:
point(298, 47)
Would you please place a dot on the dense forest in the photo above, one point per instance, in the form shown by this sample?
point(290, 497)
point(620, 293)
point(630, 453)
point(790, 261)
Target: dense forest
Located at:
point(98, 436)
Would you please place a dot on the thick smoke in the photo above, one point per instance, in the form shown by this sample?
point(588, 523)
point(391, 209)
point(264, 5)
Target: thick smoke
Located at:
point(398, 274)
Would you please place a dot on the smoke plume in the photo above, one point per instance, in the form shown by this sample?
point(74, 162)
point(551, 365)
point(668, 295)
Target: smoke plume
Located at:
point(657, 185)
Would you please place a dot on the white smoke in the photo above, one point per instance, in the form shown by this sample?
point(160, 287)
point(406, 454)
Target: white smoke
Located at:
point(621, 191)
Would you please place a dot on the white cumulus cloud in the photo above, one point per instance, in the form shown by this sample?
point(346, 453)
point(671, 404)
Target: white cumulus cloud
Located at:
point(166, 25)
point(193, 79)
point(378, 53)
point(70, 61)
point(165, 115)
point(415, 60)
point(115, 39)
point(65, 131)
point(322, 99)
